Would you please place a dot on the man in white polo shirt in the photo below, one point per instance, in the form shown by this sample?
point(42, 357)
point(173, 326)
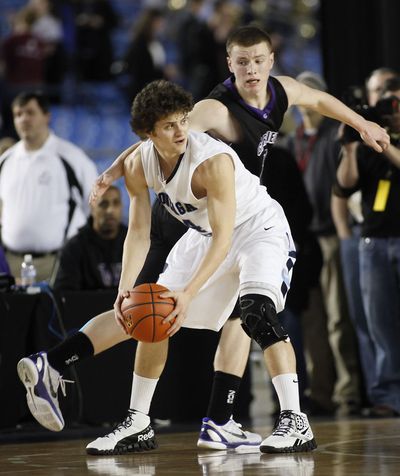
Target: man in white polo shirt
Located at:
point(45, 182)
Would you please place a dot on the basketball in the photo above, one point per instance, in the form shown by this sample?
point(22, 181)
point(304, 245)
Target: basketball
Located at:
point(144, 311)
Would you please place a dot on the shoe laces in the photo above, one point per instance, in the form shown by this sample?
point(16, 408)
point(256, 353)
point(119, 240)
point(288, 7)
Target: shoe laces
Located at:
point(62, 381)
point(284, 424)
point(124, 424)
point(233, 424)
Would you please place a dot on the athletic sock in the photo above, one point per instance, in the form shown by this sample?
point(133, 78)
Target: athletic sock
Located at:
point(143, 389)
point(224, 390)
point(287, 388)
point(73, 349)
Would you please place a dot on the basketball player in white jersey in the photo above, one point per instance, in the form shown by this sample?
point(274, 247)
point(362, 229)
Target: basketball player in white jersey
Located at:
point(238, 245)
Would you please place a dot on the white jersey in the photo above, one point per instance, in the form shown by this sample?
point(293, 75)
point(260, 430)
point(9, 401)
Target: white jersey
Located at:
point(36, 193)
point(176, 194)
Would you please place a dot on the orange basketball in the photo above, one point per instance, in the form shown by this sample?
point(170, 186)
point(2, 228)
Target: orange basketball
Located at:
point(144, 311)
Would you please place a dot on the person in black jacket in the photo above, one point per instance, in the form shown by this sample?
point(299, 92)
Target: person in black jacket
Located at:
point(92, 258)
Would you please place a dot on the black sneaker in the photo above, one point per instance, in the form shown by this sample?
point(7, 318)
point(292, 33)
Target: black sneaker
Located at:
point(134, 434)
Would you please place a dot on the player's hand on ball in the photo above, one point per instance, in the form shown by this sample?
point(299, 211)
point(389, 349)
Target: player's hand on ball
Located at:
point(182, 300)
point(119, 318)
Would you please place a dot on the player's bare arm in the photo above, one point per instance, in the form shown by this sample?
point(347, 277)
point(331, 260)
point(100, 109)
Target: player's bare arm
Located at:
point(210, 115)
point(215, 179)
point(110, 175)
point(347, 172)
point(299, 94)
point(137, 241)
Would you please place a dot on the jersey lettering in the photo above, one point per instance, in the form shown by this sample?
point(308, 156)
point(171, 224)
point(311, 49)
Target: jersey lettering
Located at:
point(178, 208)
point(198, 228)
point(269, 137)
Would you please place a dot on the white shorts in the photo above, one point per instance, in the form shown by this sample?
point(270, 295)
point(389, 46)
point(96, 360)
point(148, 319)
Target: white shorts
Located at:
point(260, 261)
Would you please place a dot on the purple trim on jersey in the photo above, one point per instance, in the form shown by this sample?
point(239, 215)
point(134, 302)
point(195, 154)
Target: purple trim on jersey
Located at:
point(260, 113)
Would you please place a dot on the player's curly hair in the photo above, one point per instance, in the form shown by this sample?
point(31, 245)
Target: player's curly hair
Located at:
point(155, 101)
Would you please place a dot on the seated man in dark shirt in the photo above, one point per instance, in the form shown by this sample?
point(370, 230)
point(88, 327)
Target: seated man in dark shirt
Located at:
point(92, 258)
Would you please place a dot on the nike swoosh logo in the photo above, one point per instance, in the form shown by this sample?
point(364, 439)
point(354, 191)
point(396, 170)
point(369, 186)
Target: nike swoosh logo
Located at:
point(266, 229)
point(238, 435)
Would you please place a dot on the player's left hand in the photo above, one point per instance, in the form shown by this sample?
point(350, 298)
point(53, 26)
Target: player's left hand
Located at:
point(100, 186)
point(182, 300)
point(375, 136)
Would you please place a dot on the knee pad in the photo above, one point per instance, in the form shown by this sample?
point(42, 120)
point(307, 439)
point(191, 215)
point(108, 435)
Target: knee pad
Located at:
point(259, 320)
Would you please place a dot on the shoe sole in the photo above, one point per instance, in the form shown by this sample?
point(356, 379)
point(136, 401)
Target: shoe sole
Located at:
point(216, 445)
point(39, 407)
point(139, 447)
point(307, 446)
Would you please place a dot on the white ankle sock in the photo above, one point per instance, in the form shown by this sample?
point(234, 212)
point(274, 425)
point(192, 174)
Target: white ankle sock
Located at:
point(287, 388)
point(143, 389)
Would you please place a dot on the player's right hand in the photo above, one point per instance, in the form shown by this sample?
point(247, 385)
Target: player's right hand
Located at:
point(119, 318)
point(375, 136)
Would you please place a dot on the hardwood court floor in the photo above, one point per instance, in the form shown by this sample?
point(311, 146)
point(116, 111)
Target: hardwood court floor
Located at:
point(345, 448)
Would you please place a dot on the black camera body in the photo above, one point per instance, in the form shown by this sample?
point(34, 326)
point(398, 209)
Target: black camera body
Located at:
point(380, 113)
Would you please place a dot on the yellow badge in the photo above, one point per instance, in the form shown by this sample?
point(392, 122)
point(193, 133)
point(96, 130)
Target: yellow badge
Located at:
point(381, 196)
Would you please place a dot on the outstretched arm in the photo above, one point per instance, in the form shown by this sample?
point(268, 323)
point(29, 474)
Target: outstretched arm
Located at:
point(114, 172)
point(299, 94)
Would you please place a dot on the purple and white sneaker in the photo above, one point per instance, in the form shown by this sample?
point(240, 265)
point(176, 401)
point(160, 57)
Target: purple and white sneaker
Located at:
point(227, 436)
point(41, 382)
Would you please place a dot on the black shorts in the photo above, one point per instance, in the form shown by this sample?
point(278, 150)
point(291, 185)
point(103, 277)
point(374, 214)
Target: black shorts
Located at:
point(165, 232)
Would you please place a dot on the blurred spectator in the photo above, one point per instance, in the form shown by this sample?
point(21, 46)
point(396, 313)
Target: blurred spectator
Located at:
point(23, 57)
point(378, 178)
point(146, 58)
point(94, 21)
point(92, 259)
point(316, 147)
point(196, 48)
point(226, 17)
point(48, 28)
point(45, 183)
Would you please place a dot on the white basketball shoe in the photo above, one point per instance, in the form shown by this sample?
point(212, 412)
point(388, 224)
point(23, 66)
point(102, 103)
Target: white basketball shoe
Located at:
point(41, 382)
point(292, 433)
point(134, 434)
point(227, 436)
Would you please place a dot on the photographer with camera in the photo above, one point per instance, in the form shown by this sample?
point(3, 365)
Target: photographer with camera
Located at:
point(377, 176)
point(347, 216)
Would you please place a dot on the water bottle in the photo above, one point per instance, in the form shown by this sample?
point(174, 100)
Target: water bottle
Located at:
point(28, 271)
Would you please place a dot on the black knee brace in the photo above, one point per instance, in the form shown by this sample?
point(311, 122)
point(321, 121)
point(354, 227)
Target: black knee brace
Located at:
point(259, 320)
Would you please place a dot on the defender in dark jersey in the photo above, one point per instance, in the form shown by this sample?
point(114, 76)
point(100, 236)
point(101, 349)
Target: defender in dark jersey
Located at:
point(246, 111)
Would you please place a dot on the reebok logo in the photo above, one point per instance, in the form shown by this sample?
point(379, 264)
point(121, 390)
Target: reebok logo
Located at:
point(231, 396)
point(72, 359)
point(146, 436)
